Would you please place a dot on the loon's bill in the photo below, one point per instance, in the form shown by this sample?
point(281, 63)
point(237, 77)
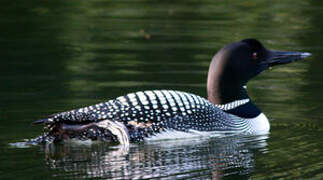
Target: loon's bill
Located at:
point(284, 57)
point(150, 114)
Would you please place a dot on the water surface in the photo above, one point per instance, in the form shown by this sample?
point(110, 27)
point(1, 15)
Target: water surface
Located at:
point(60, 55)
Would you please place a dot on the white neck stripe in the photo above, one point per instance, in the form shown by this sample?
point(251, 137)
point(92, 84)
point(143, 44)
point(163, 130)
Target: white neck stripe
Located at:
point(232, 105)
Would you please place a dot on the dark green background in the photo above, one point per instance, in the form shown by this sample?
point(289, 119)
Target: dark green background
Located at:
point(60, 55)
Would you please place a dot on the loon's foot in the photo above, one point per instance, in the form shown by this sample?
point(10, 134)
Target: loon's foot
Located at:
point(116, 128)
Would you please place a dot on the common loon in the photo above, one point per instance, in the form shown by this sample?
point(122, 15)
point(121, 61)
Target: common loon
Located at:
point(149, 114)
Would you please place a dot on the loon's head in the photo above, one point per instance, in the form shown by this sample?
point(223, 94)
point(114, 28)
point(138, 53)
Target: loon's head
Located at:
point(235, 64)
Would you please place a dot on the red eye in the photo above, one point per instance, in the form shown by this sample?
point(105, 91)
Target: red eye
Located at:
point(254, 55)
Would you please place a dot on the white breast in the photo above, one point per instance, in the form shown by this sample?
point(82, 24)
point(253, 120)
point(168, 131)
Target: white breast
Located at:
point(259, 124)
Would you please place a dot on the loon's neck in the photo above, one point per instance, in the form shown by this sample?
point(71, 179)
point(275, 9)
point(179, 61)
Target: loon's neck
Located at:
point(224, 85)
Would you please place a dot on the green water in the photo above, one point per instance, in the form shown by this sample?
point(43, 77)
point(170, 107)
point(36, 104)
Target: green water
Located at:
point(60, 55)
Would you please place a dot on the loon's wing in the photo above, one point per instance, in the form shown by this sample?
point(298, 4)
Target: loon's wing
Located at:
point(140, 106)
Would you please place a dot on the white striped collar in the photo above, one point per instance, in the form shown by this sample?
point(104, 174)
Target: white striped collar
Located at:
point(232, 105)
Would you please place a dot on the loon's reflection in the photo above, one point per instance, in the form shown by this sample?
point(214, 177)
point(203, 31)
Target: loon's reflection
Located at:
point(194, 158)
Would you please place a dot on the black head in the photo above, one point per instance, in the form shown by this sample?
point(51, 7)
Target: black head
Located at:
point(243, 60)
point(235, 64)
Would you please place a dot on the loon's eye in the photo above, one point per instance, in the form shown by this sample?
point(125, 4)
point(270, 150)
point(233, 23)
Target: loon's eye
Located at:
point(255, 55)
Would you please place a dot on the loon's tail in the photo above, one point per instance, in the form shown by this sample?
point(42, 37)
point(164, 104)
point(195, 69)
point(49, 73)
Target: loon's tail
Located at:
point(43, 139)
point(40, 121)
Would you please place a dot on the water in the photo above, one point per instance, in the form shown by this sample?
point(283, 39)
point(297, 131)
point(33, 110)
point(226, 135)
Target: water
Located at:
point(61, 55)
